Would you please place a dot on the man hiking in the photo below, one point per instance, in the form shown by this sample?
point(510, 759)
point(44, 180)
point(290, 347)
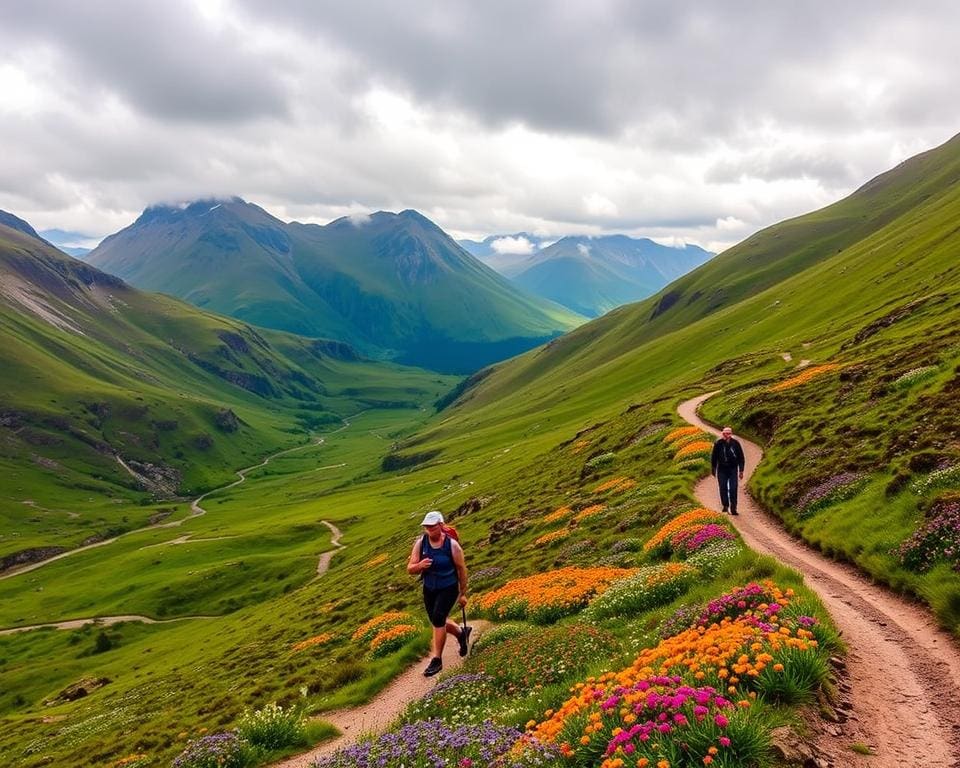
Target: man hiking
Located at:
point(726, 464)
point(438, 558)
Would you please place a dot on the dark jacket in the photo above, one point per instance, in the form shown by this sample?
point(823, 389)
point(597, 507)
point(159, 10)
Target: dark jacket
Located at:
point(727, 455)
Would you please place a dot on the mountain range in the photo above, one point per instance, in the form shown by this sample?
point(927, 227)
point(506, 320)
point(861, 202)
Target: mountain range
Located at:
point(588, 275)
point(393, 285)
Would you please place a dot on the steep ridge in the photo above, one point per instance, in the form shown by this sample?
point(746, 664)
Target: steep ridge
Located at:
point(394, 285)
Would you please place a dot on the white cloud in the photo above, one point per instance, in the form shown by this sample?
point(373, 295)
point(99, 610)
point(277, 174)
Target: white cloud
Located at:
point(520, 246)
point(583, 249)
point(662, 120)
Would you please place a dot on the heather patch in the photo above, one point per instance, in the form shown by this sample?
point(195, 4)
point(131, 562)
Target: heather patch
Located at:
point(216, 750)
point(937, 540)
point(837, 488)
point(434, 744)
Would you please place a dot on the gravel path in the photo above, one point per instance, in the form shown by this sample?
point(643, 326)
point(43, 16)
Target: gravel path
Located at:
point(902, 670)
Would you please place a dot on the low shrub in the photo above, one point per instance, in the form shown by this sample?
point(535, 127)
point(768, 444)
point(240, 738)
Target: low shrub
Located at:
point(653, 586)
point(500, 634)
point(948, 477)
point(543, 657)
point(459, 700)
point(392, 639)
point(273, 727)
point(839, 487)
point(915, 376)
point(711, 558)
point(603, 460)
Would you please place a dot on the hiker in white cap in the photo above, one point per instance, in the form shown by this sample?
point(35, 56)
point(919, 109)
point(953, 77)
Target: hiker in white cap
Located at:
point(438, 558)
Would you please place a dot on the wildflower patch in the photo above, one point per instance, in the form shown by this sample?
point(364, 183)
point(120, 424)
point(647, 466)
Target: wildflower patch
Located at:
point(802, 378)
point(546, 597)
point(370, 629)
point(660, 541)
point(651, 587)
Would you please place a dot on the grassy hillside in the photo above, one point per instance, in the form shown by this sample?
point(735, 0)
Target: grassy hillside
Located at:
point(868, 285)
point(394, 285)
point(94, 372)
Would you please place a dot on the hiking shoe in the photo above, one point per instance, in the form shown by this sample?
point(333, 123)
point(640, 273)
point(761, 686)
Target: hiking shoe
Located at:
point(734, 512)
point(435, 665)
point(464, 639)
point(724, 510)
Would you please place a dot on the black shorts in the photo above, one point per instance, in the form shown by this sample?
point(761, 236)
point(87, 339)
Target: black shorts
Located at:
point(439, 602)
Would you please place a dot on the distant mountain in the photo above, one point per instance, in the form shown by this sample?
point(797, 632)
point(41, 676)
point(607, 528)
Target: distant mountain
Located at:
point(393, 285)
point(592, 275)
point(505, 253)
point(74, 244)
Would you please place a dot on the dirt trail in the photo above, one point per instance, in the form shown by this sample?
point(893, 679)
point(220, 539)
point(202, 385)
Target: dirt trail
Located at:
point(322, 566)
point(195, 509)
point(379, 713)
point(105, 621)
point(903, 670)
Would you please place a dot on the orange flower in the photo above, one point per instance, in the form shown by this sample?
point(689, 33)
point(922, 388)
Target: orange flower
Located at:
point(398, 631)
point(552, 593)
point(691, 449)
point(557, 514)
point(373, 562)
point(590, 511)
point(680, 432)
point(548, 538)
point(618, 484)
point(580, 445)
point(803, 378)
point(365, 631)
point(323, 637)
point(678, 523)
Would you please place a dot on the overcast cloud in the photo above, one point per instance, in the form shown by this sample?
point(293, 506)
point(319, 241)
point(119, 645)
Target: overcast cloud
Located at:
point(687, 122)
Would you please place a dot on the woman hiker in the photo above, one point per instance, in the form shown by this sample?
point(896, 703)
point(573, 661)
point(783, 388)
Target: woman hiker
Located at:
point(439, 559)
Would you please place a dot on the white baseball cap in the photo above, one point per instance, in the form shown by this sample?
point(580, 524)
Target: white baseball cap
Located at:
point(432, 518)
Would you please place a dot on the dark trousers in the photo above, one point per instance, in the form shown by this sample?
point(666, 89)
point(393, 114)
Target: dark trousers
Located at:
point(727, 477)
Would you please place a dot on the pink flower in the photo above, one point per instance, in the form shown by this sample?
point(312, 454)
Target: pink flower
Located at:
point(724, 741)
point(721, 721)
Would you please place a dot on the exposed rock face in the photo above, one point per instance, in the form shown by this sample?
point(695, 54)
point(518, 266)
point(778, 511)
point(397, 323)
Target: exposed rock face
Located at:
point(227, 420)
point(29, 556)
point(78, 690)
point(159, 479)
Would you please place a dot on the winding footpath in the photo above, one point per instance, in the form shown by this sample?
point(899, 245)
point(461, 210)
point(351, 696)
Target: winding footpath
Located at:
point(902, 670)
point(377, 715)
point(195, 509)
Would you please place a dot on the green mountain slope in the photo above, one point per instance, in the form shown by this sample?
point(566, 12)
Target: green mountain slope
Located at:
point(94, 372)
point(592, 275)
point(393, 285)
point(869, 285)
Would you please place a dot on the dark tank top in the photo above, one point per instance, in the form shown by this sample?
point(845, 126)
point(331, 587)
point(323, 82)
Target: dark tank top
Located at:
point(442, 572)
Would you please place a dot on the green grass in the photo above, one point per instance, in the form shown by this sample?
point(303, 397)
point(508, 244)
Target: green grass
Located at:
point(507, 446)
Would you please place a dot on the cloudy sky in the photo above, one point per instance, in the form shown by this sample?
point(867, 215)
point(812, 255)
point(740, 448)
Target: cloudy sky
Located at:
point(696, 122)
